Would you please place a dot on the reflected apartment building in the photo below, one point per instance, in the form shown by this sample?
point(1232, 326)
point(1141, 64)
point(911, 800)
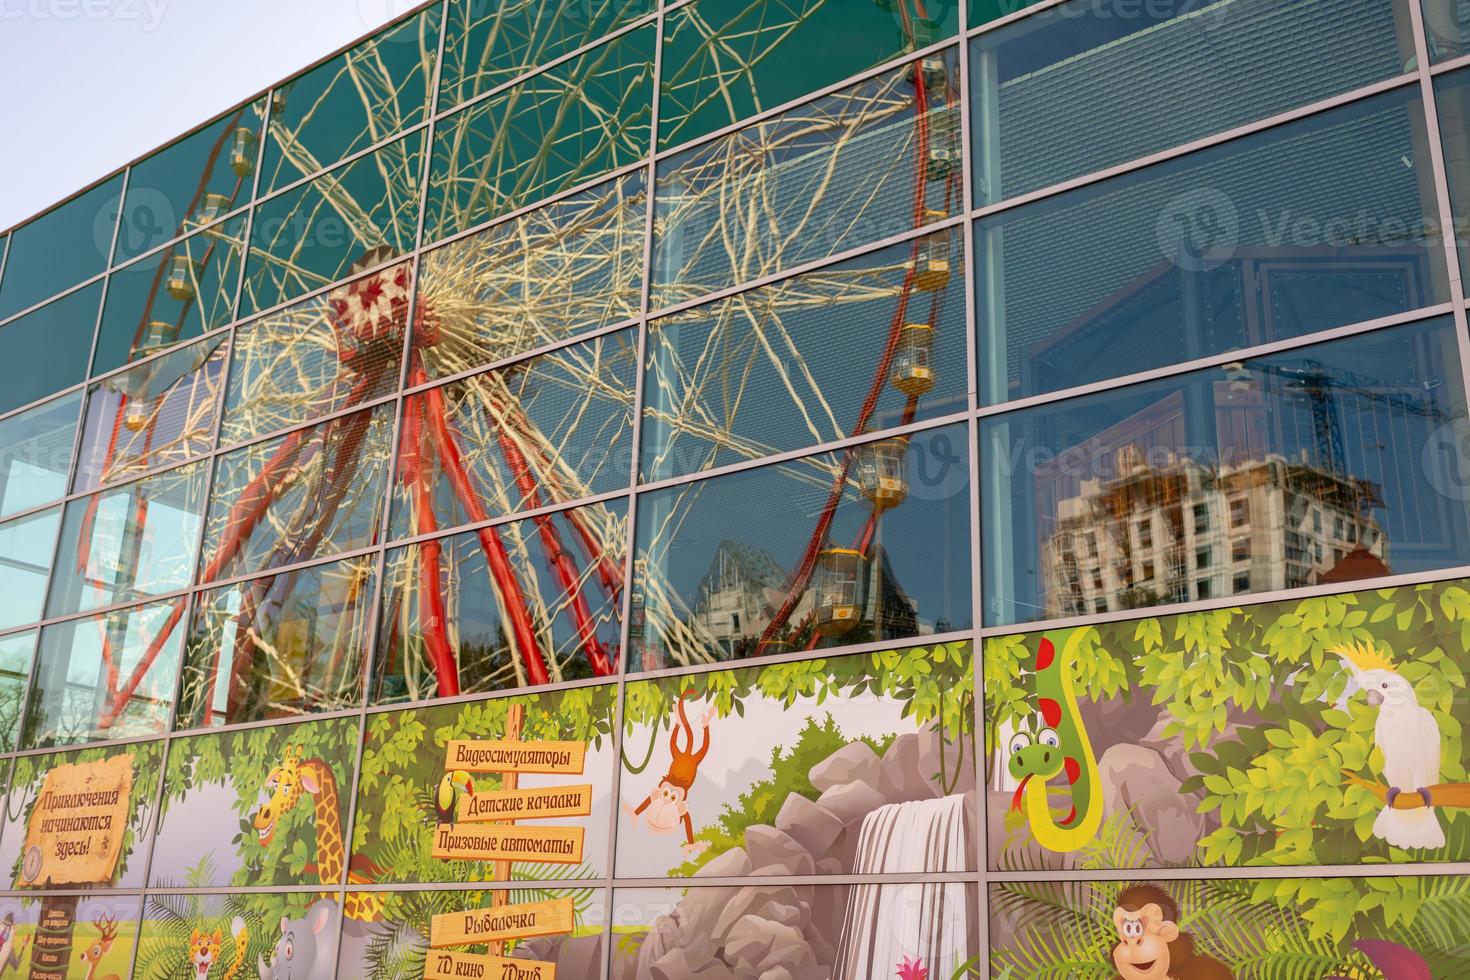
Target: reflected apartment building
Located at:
point(1176, 532)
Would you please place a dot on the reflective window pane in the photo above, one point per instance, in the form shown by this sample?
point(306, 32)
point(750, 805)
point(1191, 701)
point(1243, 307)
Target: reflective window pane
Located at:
point(724, 60)
point(1336, 462)
point(1047, 92)
point(1324, 222)
point(764, 372)
point(62, 330)
point(60, 249)
point(330, 352)
point(15, 669)
point(490, 44)
point(308, 494)
point(129, 543)
point(542, 432)
point(984, 11)
point(26, 547)
point(1447, 26)
point(553, 131)
point(160, 412)
point(192, 182)
point(352, 102)
point(111, 676)
point(180, 292)
point(834, 549)
point(1452, 98)
point(563, 269)
point(864, 163)
point(36, 453)
point(529, 602)
point(279, 646)
point(356, 217)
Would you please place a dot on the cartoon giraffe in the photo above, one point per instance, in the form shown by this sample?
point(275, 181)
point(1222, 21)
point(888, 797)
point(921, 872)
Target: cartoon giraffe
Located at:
point(286, 783)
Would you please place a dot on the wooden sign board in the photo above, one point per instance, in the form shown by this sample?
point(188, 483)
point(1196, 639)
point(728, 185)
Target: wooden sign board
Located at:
point(526, 804)
point(51, 949)
point(562, 758)
point(504, 842)
point(525, 921)
point(448, 964)
point(76, 830)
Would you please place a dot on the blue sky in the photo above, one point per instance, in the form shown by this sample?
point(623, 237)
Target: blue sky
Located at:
point(91, 84)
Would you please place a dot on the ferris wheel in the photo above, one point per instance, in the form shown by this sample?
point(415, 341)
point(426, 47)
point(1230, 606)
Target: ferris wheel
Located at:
point(501, 436)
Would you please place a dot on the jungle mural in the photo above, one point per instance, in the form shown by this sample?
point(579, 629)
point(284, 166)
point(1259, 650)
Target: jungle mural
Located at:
point(103, 932)
point(804, 767)
point(241, 936)
point(260, 806)
point(81, 821)
point(409, 942)
point(42, 785)
point(912, 931)
point(1322, 731)
point(414, 794)
point(859, 764)
point(1393, 928)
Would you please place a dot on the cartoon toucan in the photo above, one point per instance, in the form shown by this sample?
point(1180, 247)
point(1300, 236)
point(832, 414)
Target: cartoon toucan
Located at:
point(454, 784)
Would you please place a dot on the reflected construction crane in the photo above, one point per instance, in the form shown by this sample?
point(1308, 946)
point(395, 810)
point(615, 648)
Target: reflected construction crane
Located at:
point(1322, 386)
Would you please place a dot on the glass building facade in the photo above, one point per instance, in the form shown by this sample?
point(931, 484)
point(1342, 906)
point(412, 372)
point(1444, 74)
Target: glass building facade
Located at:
point(792, 489)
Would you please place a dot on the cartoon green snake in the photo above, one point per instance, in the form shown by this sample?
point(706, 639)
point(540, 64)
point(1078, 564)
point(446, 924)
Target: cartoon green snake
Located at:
point(1062, 746)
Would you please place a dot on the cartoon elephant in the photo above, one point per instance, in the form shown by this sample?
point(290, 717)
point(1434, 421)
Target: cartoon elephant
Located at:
point(307, 949)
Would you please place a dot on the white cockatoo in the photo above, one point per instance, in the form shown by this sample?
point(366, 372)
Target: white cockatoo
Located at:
point(1409, 738)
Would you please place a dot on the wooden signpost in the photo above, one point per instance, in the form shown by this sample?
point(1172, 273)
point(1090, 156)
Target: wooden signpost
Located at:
point(485, 829)
point(448, 964)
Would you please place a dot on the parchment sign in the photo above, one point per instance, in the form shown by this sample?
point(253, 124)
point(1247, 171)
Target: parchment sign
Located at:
point(446, 964)
point(77, 825)
point(516, 756)
point(525, 921)
point(526, 804)
point(503, 842)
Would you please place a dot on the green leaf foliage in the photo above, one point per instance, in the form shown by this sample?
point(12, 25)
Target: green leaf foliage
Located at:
point(1259, 699)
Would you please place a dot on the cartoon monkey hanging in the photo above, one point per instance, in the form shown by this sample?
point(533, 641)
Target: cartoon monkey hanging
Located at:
point(1150, 945)
point(668, 806)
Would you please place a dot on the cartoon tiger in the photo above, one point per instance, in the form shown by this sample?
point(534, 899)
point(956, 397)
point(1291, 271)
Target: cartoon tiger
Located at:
point(204, 950)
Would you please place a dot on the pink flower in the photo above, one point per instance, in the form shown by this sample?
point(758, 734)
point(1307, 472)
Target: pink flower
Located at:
point(912, 969)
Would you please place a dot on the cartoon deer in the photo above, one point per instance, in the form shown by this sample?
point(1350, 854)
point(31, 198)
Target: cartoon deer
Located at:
point(92, 955)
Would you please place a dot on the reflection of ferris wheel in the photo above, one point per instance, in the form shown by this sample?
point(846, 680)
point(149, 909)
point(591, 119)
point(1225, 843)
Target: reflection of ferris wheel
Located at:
point(480, 446)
